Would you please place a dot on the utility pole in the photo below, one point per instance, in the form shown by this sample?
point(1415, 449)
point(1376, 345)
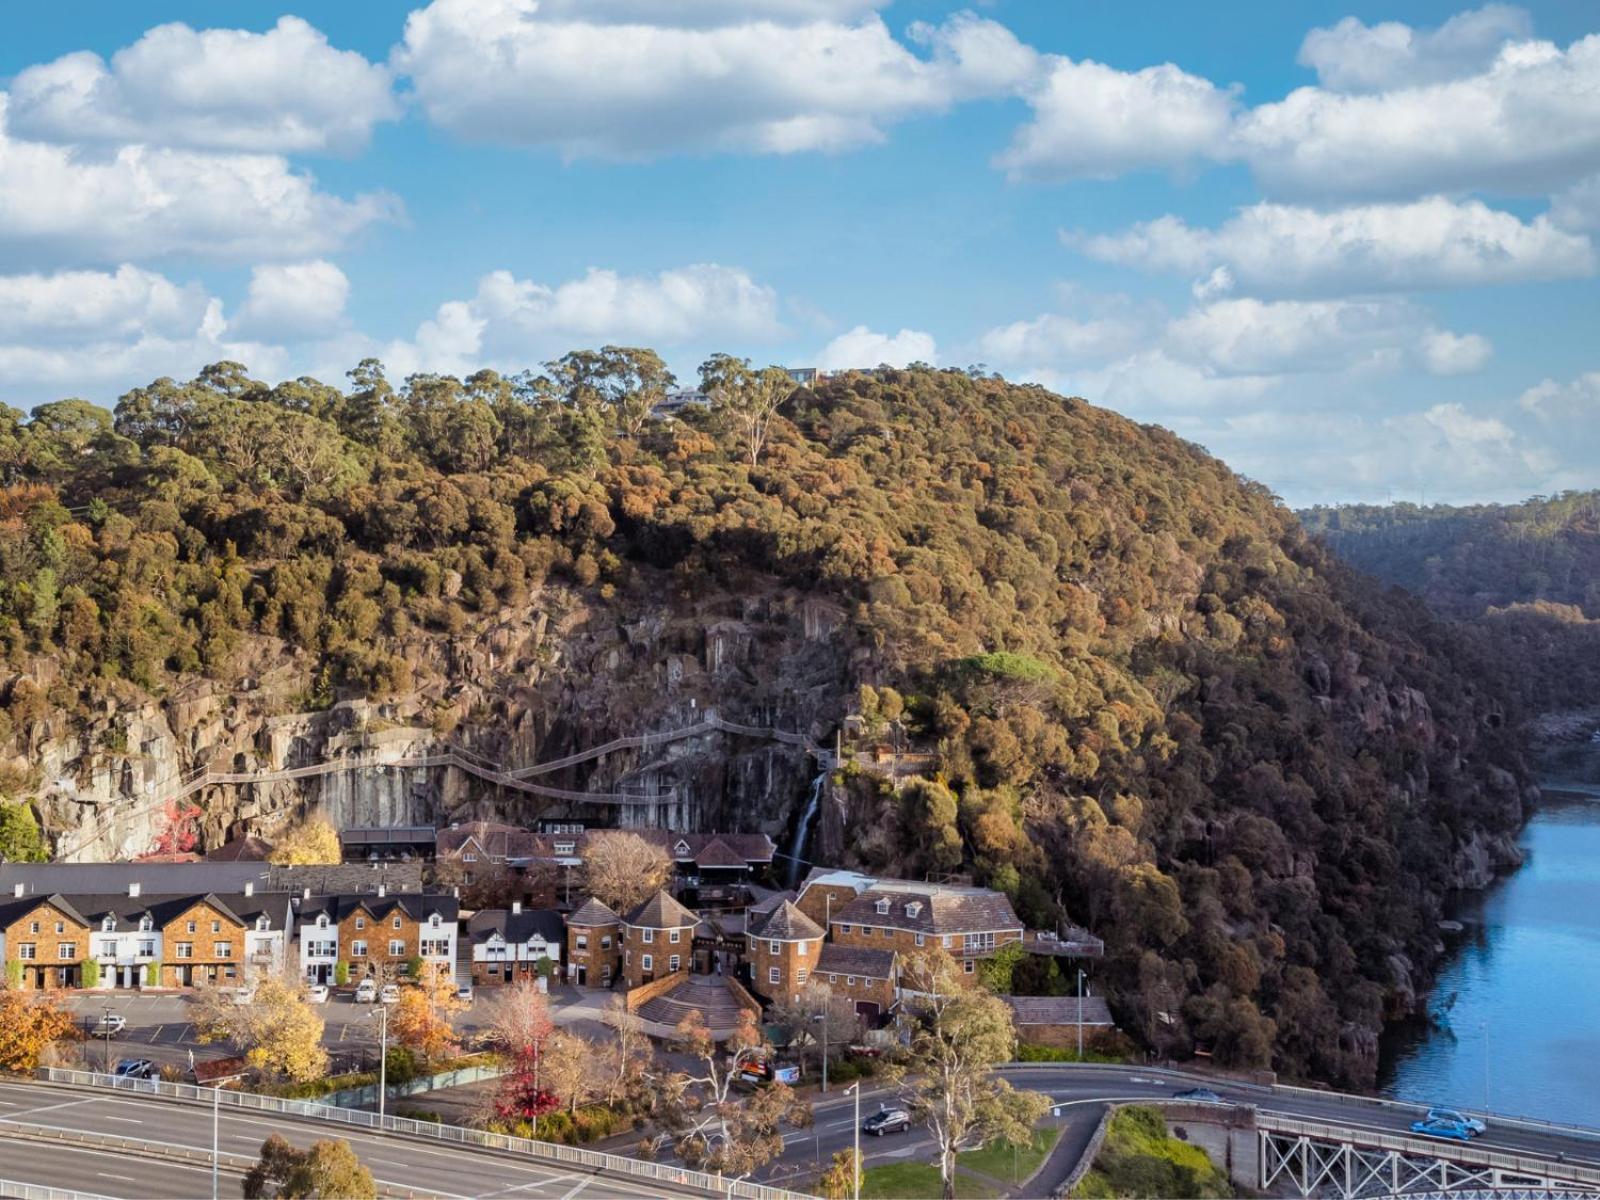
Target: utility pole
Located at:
point(856, 1190)
point(216, 1120)
point(1485, 1025)
point(1080, 1014)
point(105, 1023)
point(823, 1017)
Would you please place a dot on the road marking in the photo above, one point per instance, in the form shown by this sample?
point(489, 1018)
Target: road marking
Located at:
point(157, 1033)
point(33, 1112)
point(577, 1187)
point(124, 1120)
point(123, 1178)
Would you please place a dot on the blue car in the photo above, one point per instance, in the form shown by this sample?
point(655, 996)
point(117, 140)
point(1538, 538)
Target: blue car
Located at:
point(1454, 1115)
point(1442, 1129)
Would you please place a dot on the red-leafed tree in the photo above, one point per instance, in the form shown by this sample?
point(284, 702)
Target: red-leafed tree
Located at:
point(179, 831)
point(522, 1024)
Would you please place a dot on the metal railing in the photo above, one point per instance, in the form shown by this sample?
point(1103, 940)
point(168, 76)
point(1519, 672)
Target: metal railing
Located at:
point(553, 1152)
point(15, 1190)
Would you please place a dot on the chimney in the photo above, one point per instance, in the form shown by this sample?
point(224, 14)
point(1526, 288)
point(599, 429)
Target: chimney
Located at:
point(17, 889)
point(516, 906)
point(250, 889)
point(308, 893)
point(133, 890)
point(382, 891)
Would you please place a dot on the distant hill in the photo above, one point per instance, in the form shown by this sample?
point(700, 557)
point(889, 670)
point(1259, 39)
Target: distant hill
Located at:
point(1153, 703)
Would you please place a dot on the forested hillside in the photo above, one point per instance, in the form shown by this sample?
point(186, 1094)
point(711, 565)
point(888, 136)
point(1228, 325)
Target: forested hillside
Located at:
point(1159, 707)
point(1527, 576)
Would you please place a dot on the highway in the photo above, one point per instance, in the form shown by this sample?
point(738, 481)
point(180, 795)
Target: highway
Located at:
point(1080, 1093)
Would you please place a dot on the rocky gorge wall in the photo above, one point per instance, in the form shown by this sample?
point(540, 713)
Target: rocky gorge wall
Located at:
point(549, 680)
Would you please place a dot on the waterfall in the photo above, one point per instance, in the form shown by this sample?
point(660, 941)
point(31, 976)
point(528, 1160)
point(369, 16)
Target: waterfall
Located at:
point(802, 831)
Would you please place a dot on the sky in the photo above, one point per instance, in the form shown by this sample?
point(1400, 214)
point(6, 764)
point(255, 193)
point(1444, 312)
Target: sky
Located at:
point(1351, 248)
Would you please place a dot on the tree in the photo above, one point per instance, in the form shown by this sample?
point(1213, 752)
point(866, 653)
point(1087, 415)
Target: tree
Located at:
point(626, 1057)
point(328, 1168)
point(278, 1030)
point(341, 973)
point(520, 1024)
point(947, 1081)
point(634, 382)
point(570, 1071)
point(30, 1025)
point(90, 971)
point(20, 839)
point(817, 1012)
point(745, 399)
point(841, 1180)
point(421, 1017)
point(311, 841)
point(710, 1128)
point(622, 870)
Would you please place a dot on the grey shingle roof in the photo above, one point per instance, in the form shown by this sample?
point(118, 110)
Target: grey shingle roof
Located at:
point(592, 913)
point(1058, 1010)
point(935, 911)
point(419, 906)
point(516, 927)
point(786, 923)
point(495, 839)
point(855, 960)
point(661, 911)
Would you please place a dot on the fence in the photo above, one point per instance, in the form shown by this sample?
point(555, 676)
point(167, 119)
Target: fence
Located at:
point(552, 1152)
point(360, 1097)
point(13, 1190)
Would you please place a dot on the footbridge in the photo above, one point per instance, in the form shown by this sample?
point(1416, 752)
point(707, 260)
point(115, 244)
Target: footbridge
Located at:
point(170, 793)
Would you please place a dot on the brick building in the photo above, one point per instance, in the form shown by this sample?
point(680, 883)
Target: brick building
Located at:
point(784, 946)
point(657, 940)
point(868, 977)
point(515, 943)
point(374, 934)
point(594, 945)
point(47, 937)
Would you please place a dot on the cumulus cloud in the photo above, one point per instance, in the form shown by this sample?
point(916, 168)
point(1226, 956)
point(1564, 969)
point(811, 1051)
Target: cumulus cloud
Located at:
point(1578, 207)
point(70, 306)
point(863, 348)
point(294, 300)
point(699, 13)
point(283, 91)
point(1091, 121)
point(508, 71)
point(1446, 353)
point(58, 203)
point(1053, 339)
point(1431, 243)
point(1576, 401)
point(1355, 57)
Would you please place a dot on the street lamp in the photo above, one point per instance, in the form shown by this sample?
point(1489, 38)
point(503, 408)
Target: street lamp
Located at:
point(823, 1017)
point(383, 1059)
point(216, 1120)
point(1080, 1014)
point(856, 1189)
point(105, 1023)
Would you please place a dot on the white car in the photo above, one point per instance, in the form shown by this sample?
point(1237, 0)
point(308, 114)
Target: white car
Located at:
point(390, 994)
point(317, 993)
point(366, 992)
point(464, 993)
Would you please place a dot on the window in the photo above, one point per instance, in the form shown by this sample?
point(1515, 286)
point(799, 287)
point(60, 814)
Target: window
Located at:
point(222, 950)
point(435, 948)
point(190, 927)
point(469, 856)
point(147, 949)
point(605, 941)
point(979, 941)
point(358, 949)
point(361, 922)
point(799, 977)
point(947, 941)
point(397, 948)
point(108, 924)
point(844, 929)
point(67, 950)
point(433, 920)
point(566, 847)
point(322, 921)
point(397, 920)
point(673, 962)
point(108, 948)
point(647, 936)
point(913, 908)
point(647, 962)
point(774, 947)
point(673, 937)
point(919, 939)
point(61, 926)
point(145, 925)
point(800, 949)
point(185, 949)
point(27, 950)
point(882, 906)
point(216, 927)
point(582, 942)
point(774, 975)
point(849, 981)
point(833, 979)
point(967, 966)
point(33, 927)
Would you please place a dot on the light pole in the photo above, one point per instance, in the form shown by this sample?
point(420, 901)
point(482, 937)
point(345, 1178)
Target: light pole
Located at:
point(1080, 1014)
point(823, 1017)
point(856, 1181)
point(383, 1059)
point(105, 1023)
point(216, 1120)
point(1485, 1025)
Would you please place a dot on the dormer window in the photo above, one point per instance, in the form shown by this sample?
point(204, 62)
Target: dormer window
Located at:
point(322, 921)
point(108, 924)
point(681, 849)
point(434, 920)
point(566, 847)
point(262, 922)
point(882, 906)
point(913, 908)
point(145, 924)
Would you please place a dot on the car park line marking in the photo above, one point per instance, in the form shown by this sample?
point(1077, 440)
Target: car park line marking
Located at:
point(156, 1034)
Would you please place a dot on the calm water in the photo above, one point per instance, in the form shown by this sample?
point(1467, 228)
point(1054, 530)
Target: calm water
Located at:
point(1524, 1034)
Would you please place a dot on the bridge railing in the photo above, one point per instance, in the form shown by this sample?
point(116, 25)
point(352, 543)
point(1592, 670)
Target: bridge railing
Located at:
point(552, 1152)
point(37, 1191)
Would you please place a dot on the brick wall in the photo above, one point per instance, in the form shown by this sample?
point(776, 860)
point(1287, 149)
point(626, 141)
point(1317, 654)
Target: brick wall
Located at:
point(45, 969)
point(595, 958)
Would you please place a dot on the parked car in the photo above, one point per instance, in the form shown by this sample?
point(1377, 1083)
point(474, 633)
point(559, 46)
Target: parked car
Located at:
point(317, 993)
point(390, 993)
point(135, 1068)
point(464, 993)
point(366, 992)
point(887, 1120)
point(1199, 1095)
point(1454, 1115)
point(1442, 1129)
point(109, 1025)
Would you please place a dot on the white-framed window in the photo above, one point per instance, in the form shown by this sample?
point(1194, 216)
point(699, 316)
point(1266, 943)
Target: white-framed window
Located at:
point(433, 920)
point(262, 923)
point(397, 948)
point(849, 981)
point(107, 925)
point(147, 949)
point(774, 974)
point(647, 936)
point(919, 939)
point(774, 947)
point(185, 949)
point(673, 937)
point(108, 948)
point(322, 920)
point(647, 962)
point(469, 856)
point(189, 927)
point(361, 922)
point(967, 966)
point(799, 977)
point(913, 908)
point(833, 979)
point(882, 906)
point(581, 942)
point(145, 925)
point(222, 950)
point(948, 941)
point(844, 929)
point(33, 927)
point(605, 941)
point(27, 950)
point(397, 920)
point(800, 949)
point(358, 949)
point(673, 963)
point(216, 927)
point(61, 926)
point(566, 847)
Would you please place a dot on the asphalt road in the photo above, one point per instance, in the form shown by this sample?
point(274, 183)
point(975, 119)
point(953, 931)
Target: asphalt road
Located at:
point(400, 1163)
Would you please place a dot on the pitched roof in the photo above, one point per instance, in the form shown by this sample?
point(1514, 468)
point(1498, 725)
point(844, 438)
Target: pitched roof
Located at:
point(766, 904)
point(419, 906)
point(1058, 1010)
point(855, 960)
point(495, 839)
point(717, 853)
point(592, 913)
point(746, 848)
point(16, 907)
point(91, 909)
point(516, 927)
point(936, 910)
point(105, 877)
point(661, 911)
point(241, 849)
point(788, 924)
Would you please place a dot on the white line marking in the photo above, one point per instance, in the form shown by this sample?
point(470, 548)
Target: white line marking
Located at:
point(124, 1178)
point(124, 1120)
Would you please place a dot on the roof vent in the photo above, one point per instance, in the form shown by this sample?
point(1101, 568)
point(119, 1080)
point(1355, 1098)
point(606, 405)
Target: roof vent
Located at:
point(133, 889)
point(308, 894)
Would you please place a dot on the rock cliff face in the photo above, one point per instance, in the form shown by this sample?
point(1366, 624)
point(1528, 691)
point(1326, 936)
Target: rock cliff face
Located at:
point(536, 684)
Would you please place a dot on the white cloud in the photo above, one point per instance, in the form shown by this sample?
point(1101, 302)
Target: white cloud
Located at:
point(1053, 339)
point(514, 323)
point(1431, 243)
point(1578, 207)
point(283, 91)
point(294, 300)
point(70, 306)
point(701, 13)
point(1091, 121)
point(1574, 405)
point(1446, 353)
point(1252, 337)
point(506, 71)
point(1153, 384)
point(1355, 57)
point(864, 348)
point(58, 203)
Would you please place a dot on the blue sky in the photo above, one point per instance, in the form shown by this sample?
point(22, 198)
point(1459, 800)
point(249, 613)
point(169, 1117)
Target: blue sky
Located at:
point(1348, 247)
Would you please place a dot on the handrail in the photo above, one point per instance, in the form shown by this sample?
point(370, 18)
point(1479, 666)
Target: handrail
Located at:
point(428, 1130)
point(38, 1191)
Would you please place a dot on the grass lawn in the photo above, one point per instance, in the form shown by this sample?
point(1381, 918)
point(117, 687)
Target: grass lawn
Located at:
point(996, 1161)
point(916, 1181)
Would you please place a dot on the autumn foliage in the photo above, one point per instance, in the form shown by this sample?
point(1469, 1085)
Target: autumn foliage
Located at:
point(29, 1026)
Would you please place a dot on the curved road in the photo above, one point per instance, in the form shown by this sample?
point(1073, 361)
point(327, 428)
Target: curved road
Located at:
point(1080, 1093)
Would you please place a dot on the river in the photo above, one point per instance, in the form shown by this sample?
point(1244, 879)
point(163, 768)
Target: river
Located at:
point(1523, 1032)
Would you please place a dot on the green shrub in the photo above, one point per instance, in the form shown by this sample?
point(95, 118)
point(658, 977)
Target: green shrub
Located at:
point(14, 972)
point(1139, 1160)
point(341, 973)
point(401, 1065)
point(91, 972)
